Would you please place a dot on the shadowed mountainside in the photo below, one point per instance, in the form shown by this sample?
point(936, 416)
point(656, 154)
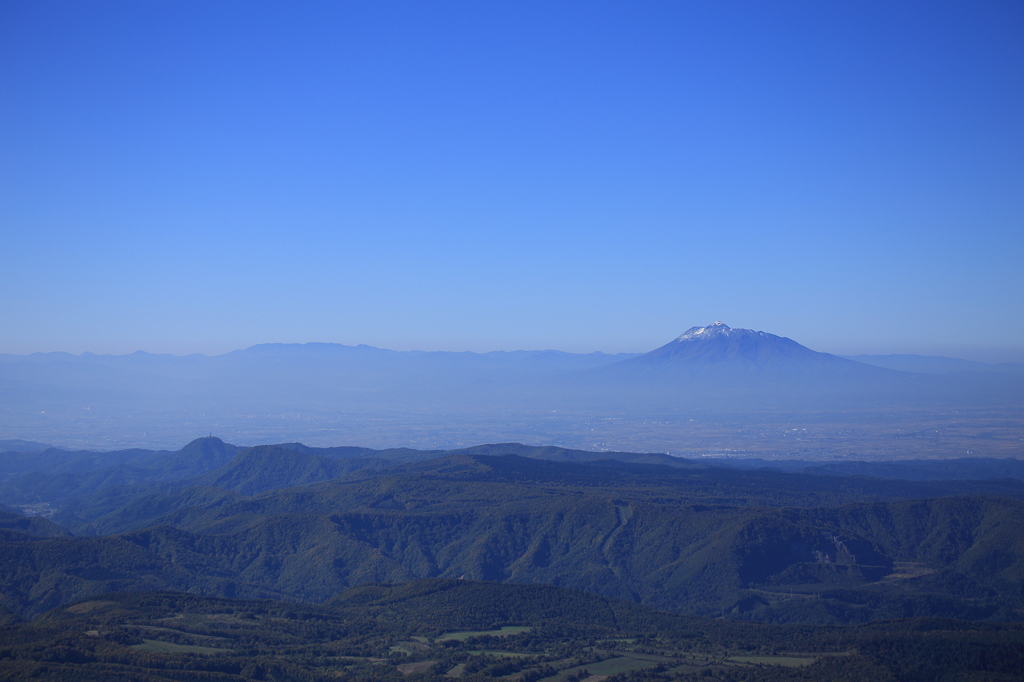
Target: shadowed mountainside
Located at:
point(122, 497)
point(695, 540)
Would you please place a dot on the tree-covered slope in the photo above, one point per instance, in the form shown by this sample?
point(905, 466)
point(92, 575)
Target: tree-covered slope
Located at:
point(30, 525)
point(464, 481)
point(960, 557)
point(267, 467)
point(105, 500)
point(56, 477)
point(42, 573)
point(753, 544)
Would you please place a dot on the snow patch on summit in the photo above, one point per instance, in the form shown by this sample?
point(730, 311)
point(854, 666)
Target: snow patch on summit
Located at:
point(716, 330)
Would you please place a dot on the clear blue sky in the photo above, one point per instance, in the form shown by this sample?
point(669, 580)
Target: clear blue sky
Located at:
point(203, 176)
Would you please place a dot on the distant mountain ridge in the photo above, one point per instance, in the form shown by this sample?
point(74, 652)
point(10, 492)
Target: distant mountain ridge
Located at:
point(123, 497)
point(445, 399)
point(46, 476)
point(17, 445)
point(264, 351)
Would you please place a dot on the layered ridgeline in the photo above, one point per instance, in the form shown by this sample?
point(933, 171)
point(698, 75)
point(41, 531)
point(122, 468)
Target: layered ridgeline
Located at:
point(86, 493)
point(445, 629)
point(49, 479)
point(687, 538)
point(370, 395)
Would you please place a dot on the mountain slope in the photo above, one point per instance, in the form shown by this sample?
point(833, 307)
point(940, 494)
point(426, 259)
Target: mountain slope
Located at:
point(720, 350)
point(193, 501)
point(954, 557)
point(42, 573)
point(18, 445)
point(67, 481)
point(681, 539)
point(557, 454)
point(717, 370)
point(31, 525)
point(267, 467)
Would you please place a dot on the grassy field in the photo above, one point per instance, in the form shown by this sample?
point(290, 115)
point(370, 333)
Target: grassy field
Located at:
point(410, 648)
point(506, 631)
point(418, 667)
point(506, 654)
point(611, 666)
point(663, 657)
point(787, 661)
point(171, 648)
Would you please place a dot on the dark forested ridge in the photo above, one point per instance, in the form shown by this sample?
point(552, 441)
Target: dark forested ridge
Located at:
point(753, 544)
point(51, 480)
point(30, 525)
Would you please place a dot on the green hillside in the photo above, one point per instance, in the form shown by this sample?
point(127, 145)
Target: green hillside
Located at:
point(121, 508)
point(268, 467)
point(42, 573)
point(956, 557)
point(78, 493)
point(55, 477)
point(746, 544)
point(30, 525)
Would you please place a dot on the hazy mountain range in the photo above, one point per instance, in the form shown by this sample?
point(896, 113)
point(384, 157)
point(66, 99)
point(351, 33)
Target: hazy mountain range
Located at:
point(365, 395)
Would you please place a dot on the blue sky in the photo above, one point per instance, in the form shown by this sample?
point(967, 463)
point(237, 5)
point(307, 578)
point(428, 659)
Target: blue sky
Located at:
point(203, 176)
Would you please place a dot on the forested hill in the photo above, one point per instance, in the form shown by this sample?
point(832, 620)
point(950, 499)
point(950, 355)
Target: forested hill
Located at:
point(53, 481)
point(88, 505)
point(762, 545)
point(54, 476)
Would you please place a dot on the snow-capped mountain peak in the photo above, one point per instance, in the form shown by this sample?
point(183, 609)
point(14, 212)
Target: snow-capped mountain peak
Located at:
point(710, 331)
point(719, 330)
point(739, 358)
